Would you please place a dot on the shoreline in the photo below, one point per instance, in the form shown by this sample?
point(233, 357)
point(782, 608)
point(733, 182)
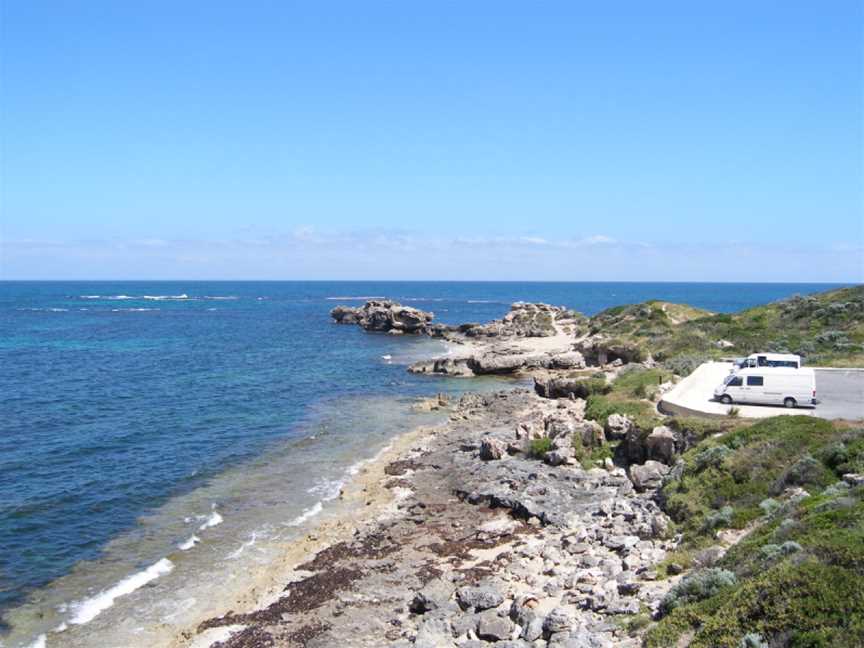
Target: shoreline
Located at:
point(446, 520)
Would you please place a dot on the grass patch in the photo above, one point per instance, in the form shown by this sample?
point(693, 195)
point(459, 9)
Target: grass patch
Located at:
point(599, 407)
point(539, 447)
point(638, 382)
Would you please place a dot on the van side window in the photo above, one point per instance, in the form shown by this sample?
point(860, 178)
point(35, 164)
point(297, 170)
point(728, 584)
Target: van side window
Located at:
point(762, 361)
point(755, 381)
point(735, 382)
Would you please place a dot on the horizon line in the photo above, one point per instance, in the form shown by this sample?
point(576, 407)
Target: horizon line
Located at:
point(501, 281)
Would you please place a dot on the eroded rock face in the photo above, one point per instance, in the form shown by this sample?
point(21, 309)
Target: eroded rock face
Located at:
point(523, 320)
point(491, 449)
point(648, 475)
point(660, 445)
point(598, 350)
point(498, 359)
point(385, 316)
point(618, 426)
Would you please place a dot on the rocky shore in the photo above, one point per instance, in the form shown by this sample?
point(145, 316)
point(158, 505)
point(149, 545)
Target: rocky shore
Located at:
point(500, 530)
point(489, 543)
point(573, 515)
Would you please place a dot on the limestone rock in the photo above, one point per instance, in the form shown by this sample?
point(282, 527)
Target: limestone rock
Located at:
point(383, 315)
point(478, 598)
point(617, 426)
point(491, 449)
point(492, 627)
point(660, 445)
point(558, 620)
point(648, 475)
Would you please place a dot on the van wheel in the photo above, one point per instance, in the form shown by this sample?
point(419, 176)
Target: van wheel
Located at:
point(726, 399)
point(789, 403)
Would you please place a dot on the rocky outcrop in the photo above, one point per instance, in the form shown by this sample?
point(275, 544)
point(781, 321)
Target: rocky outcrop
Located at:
point(648, 475)
point(599, 350)
point(384, 316)
point(524, 320)
point(497, 359)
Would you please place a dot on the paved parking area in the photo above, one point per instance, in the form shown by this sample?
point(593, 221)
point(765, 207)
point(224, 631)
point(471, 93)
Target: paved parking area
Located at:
point(840, 392)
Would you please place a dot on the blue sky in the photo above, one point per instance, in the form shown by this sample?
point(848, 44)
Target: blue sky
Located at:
point(433, 140)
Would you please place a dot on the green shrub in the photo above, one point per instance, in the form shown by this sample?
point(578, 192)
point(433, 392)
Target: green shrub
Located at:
point(733, 412)
point(803, 604)
point(836, 489)
point(697, 587)
point(684, 365)
point(752, 640)
point(769, 506)
point(539, 447)
point(718, 519)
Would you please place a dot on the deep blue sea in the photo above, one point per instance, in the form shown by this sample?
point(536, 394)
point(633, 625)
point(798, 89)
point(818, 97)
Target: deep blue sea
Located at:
point(120, 399)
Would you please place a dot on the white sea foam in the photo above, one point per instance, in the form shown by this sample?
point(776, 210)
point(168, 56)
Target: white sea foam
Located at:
point(39, 642)
point(163, 297)
point(212, 520)
point(387, 357)
point(89, 609)
point(45, 310)
point(132, 310)
point(243, 547)
point(225, 298)
point(105, 297)
point(306, 515)
point(328, 489)
point(186, 545)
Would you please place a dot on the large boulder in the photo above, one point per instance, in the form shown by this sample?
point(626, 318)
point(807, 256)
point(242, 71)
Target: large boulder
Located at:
point(591, 433)
point(444, 366)
point(618, 426)
point(660, 445)
point(492, 627)
point(648, 476)
point(491, 449)
point(385, 316)
point(478, 598)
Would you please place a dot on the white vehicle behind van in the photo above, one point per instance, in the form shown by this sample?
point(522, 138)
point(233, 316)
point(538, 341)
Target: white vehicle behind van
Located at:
point(769, 386)
point(769, 360)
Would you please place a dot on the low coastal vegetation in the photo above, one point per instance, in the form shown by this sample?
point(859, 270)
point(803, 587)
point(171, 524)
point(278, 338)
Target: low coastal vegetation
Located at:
point(826, 328)
point(794, 579)
point(773, 493)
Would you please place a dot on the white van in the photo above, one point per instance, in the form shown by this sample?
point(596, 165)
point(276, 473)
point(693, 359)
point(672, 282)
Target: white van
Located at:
point(769, 386)
point(770, 360)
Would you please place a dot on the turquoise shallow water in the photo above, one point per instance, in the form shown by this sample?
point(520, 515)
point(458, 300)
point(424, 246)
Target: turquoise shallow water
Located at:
point(120, 398)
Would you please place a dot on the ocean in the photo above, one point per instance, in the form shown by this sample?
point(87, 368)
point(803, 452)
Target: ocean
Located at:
point(154, 434)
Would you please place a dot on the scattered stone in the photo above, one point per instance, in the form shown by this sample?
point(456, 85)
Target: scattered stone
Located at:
point(491, 448)
point(478, 598)
point(558, 620)
point(492, 627)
